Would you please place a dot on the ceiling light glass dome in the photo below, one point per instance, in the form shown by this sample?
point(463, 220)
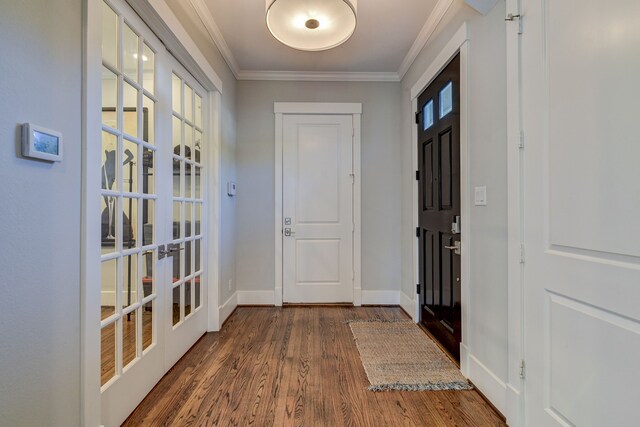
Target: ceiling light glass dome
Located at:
point(311, 25)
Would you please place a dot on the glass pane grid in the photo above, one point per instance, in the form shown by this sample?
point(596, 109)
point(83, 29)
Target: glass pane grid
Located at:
point(128, 109)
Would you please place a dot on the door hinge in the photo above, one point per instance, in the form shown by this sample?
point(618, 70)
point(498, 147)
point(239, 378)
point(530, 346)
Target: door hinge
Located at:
point(521, 142)
point(417, 117)
point(522, 258)
point(417, 231)
point(511, 17)
point(522, 372)
point(418, 288)
point(417, 175)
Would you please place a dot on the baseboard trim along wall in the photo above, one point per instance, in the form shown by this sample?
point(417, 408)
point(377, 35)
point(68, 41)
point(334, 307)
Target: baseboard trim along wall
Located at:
point(227, 308)
point(380, 297)
point(408, 305)
point(488, 383)
point(256, 298)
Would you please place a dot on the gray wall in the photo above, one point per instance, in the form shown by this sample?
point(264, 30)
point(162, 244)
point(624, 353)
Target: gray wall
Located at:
point(488, 158)
point(187, 16)
point(40, 69)
point(381, 202)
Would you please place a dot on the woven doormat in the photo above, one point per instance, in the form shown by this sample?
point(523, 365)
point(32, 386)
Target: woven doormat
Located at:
point(399, 356)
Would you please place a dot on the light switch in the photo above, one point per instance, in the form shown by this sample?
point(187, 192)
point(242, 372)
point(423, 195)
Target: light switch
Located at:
point(231, 189)
point(481, 196)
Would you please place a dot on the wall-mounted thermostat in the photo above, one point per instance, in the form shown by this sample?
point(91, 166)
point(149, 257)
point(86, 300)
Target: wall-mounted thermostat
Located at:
point(41, 143)
point(231, 188)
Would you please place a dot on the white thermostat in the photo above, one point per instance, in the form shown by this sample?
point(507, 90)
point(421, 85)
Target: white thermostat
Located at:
point(231, 188)
point(41, 143)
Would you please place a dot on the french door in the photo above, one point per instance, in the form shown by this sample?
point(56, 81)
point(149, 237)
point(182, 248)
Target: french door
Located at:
point(153, 136)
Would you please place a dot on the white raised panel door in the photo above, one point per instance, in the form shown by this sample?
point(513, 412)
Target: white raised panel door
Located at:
point(580, 68)
point(317, 209)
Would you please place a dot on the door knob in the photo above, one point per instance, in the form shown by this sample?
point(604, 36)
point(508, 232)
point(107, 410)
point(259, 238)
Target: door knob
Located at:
point(455, 248)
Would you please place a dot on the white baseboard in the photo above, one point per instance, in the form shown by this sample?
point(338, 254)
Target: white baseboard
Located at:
point(408, 305)
point(464, 359)
point(256, 298)
point(488, 383)
point(227, 308)
point(514, 412)
point(380, 297)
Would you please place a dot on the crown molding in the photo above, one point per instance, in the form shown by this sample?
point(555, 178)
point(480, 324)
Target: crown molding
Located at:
point(425, 34)
point(319, 76)
point(436, 16)
point(202, 10)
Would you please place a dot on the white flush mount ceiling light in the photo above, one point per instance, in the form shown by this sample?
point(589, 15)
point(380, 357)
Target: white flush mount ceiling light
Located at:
point(311, 24)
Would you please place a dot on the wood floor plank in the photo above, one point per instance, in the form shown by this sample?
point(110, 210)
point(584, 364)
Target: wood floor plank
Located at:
point(295, 366)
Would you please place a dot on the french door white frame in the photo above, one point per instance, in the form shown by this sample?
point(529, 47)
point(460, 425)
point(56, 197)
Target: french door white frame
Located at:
point(459, 43)
point(157, 15)
point(352, 109)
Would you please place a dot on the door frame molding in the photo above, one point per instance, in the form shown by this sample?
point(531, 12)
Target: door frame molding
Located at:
point(354, 110)
point(459, 43)
point(161, 20)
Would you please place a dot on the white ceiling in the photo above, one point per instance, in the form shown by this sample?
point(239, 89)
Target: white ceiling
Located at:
point(389, 34)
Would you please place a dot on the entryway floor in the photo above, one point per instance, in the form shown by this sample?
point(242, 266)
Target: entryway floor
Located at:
point(294, 366)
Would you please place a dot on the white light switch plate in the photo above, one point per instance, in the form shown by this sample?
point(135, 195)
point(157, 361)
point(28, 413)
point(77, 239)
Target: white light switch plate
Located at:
point(481, 196)
point(231, 188)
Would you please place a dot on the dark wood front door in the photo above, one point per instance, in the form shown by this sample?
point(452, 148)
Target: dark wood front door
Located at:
point(439, 207)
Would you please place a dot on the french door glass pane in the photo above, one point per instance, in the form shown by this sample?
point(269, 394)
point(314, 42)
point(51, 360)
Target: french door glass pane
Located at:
point(130, 280)
point(148, 172)
point(130, 54)
point(187, 298)
point(148, 216)
point(129, 333)
point(148, 110)
point(108, 353)
point(129, 166)
point(130, 114)
point(109, 277)
point(147, 325)
point(148, 62)
point(109, 146)
point(109, 98)
point(176, 83)
point(188, 103)
point(176, 305)
point(129, 222)
point(109, 35)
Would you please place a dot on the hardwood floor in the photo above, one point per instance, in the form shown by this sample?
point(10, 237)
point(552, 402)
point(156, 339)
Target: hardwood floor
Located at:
point(294, 366)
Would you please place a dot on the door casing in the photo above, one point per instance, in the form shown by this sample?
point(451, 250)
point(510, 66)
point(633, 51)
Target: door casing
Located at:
point(318, 108)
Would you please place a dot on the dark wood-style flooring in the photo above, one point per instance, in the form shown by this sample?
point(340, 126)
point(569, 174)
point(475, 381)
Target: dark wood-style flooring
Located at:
point(294, 366)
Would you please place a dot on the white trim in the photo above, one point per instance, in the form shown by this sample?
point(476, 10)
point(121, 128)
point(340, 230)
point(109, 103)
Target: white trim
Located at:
point(515, 223)
point(317, 108)
point(488, 383)
point(441, 61)
point(357, 205)
point(214, 210)
point(408, 305)
point(424, 35)
point(90, 404)
point(354, 109)
point(319, 76)
point(459, 43)
point(256, 298)
point(278, 214)
point(380, 297)
point(164, 23)
point(212, 28)
point(464, 359)
point(227, 308)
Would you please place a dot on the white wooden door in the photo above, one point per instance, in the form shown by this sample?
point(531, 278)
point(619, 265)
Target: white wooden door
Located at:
point(153, 195)
point(132, 342)
point(186, 311)
point(317, 208)
point(580, 91)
